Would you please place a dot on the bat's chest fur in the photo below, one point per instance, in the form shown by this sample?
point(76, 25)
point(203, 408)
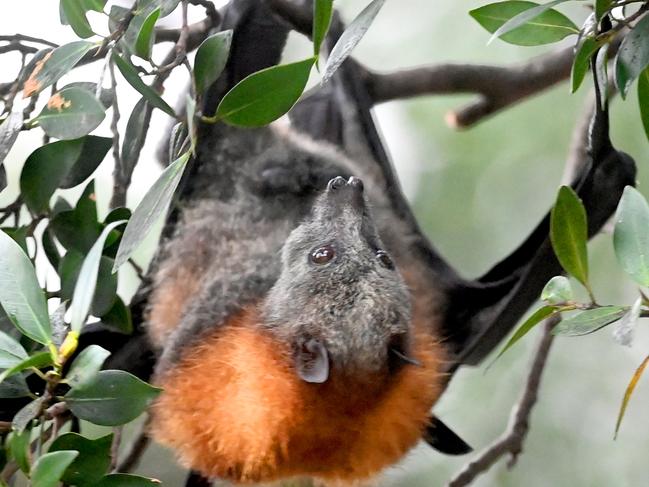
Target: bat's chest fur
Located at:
point(234, 408)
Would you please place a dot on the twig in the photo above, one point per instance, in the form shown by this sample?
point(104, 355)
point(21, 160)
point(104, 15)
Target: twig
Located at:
point(135, 454)
point(119, 188)
point(24, 38)
point(210, 10)
point(511, 442)
point(17, 46)
point(114, 447)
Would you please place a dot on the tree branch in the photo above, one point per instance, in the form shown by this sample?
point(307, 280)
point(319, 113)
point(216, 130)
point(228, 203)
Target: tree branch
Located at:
point(511, 442)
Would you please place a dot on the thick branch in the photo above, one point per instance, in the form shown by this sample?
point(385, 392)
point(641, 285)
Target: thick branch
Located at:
point(511, 442)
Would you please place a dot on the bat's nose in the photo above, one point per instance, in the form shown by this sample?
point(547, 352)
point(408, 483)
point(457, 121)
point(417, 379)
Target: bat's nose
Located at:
point(338, 183)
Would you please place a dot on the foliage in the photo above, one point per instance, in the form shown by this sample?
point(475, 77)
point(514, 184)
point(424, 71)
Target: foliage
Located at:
point(40, 363)
point(39, 360)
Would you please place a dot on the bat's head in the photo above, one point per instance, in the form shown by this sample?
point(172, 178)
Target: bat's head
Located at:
point(340, 300)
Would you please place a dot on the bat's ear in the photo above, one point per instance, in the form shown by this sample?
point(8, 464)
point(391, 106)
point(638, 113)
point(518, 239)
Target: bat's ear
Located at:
point(445, 440)
point(312, 361)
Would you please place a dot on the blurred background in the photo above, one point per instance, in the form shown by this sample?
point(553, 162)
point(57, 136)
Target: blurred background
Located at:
point(477, 193)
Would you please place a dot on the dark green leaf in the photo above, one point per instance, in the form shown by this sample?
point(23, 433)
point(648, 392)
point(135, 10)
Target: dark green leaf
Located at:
point(50, 248)
point(11, 352)
point(131, 75)
point(75, 15)
point(59, 327)
point(538, 316)
point(9, 131)
point(643, 99)
point(601, 7)
point(211, 58)
point(190, 107)
point(266, 95)
point(78, 229)
point(632, 56)
point(104, 294)
point(87, 281)
point(61, 164)
point(14, 387)
point(569, 233)
point(53, 66)
point(49, 468)
point(177, 141)
point(23, 417)
point(127, 480)
point(86, 366)
point(589, 321)
point(71, 113)
point(93, 460)
point(20, 294)
point(526, 16)
point(350, 38)
point(38, 361)
point(19, 235)
point(112, 398)
point(145, 37)
point(322, 10)
point(557, 291)
point(136, 130)
point(19, 449)
point(629, 392)
point(154, 204)
point(550, 26)
point(582, 61)
point(118, 318)
point(631, 236)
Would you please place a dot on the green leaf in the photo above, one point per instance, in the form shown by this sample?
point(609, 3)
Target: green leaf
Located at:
point(78, 228)
point(112, 398)
point(322, 11)
point(154, 204)
point(127, 480)
point(50, 248)
point(550, 26)
point(19, 235)
point(523, 18)
point(131, 75)
point(266, 95)
point(589, 321)
point(538, 316)
point(629, 392)
point(23, 417)
point(37, 361)
point(211, 58)
point(632, 56)
point(49, 468)
point(75, 15)
point(14, 387)
point(59, 62)
point(86, 366)
point(350, 38)
point(643, 99)
point(118, 318)
point(146, 36)
point(11, 352)
point(62, 164)
point(569, 233)
point(87, 281)
point(20, 294)
point(601, 7)
point(631, 235)
point(19, 449)
point(93, 460)
point(9, 131)
point(557, 291)
point(71, 113)
point(135, 135)
point(105, 291)
point(168, 6)
point(581, 62)
point(601, 74)
point(190, 108)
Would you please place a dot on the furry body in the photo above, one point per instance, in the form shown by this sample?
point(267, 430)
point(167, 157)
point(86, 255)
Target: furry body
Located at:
point(232, 294)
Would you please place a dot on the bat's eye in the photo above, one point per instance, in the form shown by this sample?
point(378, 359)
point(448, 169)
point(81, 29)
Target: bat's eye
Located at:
point(322, 255)
point(385, 259)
